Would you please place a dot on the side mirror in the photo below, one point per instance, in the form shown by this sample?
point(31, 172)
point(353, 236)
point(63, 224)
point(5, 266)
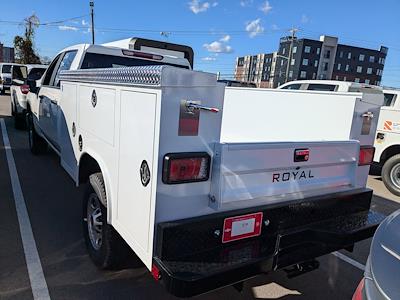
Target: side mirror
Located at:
point(32, 85)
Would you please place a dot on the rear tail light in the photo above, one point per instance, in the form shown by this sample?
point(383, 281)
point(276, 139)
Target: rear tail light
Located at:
point(366, 155)
point(186, 167)
point(24, 89)
point(155, 271)
point(358, 294)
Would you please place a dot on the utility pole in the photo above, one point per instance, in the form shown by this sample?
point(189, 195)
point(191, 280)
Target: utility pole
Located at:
point(91, 3)
point(289, 61)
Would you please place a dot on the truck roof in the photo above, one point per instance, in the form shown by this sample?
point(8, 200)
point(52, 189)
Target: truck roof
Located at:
point(123, 52)
point(342, 86)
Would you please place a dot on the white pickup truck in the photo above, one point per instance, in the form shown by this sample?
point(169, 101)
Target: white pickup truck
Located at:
point(209, 185)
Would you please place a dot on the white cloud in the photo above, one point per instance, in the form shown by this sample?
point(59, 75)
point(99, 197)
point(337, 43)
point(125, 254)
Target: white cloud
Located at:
point(266, 7)
point(197, 6)
point(225, 38)
point(254, 27)
point(84, 23)
point(214, 4)
point(65, 27)
point(275, 27)
point(244, 3)
point(304, 19)
point(209, 58)
point(218, 47)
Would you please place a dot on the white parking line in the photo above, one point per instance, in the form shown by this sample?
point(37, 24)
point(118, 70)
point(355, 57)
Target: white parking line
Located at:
point(349, 260)
point(35, 271)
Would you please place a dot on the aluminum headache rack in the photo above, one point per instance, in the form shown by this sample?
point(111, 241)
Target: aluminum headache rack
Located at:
point(142, 75)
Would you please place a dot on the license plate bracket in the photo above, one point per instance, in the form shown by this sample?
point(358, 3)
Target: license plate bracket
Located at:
point(242, 227)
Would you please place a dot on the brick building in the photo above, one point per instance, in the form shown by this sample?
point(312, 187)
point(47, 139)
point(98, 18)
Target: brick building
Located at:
point(312, 59)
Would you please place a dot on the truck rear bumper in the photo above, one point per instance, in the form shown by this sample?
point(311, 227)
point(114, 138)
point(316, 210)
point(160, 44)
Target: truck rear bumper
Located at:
point(191, 258)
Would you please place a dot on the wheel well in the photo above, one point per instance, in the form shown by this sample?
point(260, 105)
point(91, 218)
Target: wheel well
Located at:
point(389, 152)
point(87, 166)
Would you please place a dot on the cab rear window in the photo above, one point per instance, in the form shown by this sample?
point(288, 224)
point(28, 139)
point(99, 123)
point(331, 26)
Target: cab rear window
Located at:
point(295, 86)
point(322, 87)
point(6, 69)
point(95, 61)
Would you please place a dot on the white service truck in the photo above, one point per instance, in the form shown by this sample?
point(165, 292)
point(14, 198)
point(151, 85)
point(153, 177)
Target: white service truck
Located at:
point(209, 185)
point(387, 141)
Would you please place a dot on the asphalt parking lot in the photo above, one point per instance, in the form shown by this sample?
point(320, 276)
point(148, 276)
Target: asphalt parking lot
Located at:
point(54, 208)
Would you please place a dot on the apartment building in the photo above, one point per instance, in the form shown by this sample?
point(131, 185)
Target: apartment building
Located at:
point(6, 54)
point(312, 59)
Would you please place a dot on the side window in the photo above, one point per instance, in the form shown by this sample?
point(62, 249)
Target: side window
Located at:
point(65, 64)
point(322, 87)
point(390, 99)
point(295, 86)
point(50, 71)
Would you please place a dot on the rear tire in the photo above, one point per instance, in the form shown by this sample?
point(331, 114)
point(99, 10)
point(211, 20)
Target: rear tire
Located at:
point(391, 174)
point(106, 248)
point(37, 144)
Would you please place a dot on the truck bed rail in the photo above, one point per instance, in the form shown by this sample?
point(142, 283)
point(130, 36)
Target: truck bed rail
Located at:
point(142, 75)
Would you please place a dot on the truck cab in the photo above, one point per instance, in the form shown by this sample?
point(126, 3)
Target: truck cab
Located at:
point(43, 98)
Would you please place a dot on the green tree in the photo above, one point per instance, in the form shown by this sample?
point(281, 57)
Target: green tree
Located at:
point(25, 54)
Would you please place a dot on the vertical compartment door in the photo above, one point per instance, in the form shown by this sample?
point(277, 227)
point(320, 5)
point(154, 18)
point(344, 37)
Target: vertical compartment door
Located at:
point(138, 150)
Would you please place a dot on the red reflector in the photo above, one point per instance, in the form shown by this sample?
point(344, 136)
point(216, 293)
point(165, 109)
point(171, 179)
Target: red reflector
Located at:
point(358, 294)
point(24, 89)
point(366, 155)
point(155, 272)
point(186, 167)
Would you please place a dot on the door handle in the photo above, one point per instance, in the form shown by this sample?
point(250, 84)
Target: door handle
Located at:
point(368, 115)
point(53, 101)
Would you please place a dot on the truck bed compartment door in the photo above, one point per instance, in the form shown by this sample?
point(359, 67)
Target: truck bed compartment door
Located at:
point(138, 150)
point(275, 172)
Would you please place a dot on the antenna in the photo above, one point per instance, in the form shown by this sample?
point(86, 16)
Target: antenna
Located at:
point(91, 3)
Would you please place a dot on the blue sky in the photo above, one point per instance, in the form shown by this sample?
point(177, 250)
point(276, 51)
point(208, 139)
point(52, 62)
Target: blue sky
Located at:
point(218, 30)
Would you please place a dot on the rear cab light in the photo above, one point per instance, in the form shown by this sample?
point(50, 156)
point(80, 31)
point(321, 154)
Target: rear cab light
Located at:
point(366, 155)
point(142, 55)
point(186, 167)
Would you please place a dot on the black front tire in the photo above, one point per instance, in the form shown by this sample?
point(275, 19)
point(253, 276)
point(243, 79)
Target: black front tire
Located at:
point(112, 251)
point(390, 177)
point(37, 144)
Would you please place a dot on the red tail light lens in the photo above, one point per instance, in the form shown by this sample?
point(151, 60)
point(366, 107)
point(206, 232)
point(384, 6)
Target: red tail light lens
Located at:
point(358, 294)
point(186, 167)
point(155, 272)
point(366, 155)
point(24, 89)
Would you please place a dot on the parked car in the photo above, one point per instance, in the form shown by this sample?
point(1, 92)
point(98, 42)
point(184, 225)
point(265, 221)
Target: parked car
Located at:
point(382, 272)
point(19, 90)
point(5, 76)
